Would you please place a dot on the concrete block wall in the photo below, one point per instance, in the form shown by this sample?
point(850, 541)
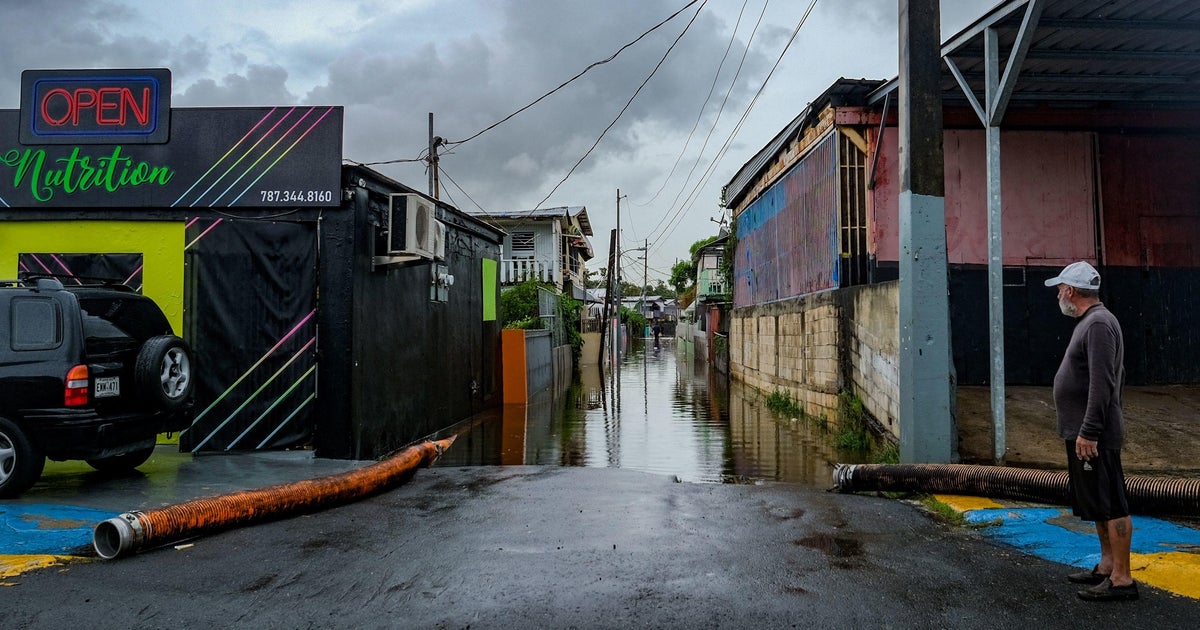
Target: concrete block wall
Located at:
point(790, 346)
point(816, 346)
point(874, 351)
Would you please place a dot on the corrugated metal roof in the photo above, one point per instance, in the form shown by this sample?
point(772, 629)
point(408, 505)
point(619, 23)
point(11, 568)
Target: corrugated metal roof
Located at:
point(579, 212)
point(1143, 53)
point(842, 92)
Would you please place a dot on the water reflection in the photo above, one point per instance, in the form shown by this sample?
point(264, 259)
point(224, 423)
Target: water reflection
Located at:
point(664, 413)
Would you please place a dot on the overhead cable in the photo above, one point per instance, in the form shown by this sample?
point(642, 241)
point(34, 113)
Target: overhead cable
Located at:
point(703, 106)
point(580, 74)
point(625, 108)
point(721, 153)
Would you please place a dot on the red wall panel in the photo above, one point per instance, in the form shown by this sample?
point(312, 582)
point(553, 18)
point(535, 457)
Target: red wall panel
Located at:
point(1151, 196)
point(1047, 194)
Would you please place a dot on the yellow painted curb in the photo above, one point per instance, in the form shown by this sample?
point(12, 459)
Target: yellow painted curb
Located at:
point(14, 565)
point(962, 504)
point(1173, 571)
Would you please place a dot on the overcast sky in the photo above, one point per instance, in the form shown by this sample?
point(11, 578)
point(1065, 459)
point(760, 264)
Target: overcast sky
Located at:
point(473, 62)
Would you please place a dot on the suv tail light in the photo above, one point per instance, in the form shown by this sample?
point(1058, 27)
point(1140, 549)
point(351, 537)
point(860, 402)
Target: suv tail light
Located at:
point(76, 392)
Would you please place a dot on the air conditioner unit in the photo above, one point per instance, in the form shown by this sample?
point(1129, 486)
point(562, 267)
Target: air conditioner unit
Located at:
point(411, 226)
point(439, 240)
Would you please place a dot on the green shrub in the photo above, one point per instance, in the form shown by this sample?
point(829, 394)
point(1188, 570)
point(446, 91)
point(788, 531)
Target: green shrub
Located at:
point(519, 303)
point(854, 432)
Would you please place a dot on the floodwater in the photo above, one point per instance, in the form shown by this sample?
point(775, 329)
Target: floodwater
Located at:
point(666, 413)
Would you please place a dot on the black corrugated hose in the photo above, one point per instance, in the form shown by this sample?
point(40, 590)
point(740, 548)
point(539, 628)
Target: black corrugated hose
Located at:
point(1165, 496)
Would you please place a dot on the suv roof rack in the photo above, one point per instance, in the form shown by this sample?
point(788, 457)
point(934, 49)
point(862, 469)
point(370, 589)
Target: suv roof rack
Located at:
point(30, 279)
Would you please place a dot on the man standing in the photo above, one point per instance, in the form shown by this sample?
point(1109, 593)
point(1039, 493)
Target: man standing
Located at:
point(1087, 399)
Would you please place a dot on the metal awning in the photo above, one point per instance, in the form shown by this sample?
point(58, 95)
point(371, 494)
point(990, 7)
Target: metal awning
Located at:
point(1085, 53)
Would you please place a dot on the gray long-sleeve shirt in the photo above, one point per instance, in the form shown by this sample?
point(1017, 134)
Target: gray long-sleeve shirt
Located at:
point(1087, 387)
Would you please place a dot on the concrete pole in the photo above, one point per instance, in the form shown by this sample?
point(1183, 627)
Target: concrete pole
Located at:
point(925, 423)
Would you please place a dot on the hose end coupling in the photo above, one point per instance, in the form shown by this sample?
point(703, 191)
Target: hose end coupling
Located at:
point(117, 536)
point(843, 477)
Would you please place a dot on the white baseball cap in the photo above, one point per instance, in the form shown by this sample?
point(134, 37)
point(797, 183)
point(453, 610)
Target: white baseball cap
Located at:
point(1077, 274)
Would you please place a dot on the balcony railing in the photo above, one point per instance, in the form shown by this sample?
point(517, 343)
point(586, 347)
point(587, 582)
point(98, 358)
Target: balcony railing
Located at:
point(518, 270)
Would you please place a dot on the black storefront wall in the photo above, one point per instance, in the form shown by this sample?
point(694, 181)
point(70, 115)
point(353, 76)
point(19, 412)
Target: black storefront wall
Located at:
point(398, 363)
point(250, 313)
point(1154, 306)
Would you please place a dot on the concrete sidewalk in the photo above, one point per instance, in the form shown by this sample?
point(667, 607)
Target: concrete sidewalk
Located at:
point(1162, 426)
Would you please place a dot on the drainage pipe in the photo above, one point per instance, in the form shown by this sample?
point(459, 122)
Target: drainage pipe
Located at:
point(135, 530)
point(1147, 495)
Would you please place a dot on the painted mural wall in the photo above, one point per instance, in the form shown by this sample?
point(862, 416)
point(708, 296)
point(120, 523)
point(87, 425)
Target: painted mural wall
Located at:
point(787, 238)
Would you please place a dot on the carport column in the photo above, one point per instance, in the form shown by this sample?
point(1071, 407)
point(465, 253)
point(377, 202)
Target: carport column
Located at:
point(991, 56)
point(925, 425)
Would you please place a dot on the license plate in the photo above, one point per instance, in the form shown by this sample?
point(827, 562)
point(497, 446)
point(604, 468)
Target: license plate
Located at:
point(108, 386)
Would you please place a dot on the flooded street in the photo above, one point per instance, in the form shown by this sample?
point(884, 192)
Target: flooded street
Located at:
point(666, 413)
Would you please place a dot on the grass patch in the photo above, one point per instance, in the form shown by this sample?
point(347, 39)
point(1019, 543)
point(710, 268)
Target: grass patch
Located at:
point(854, 432)
point(943, 512)
point(889, 454)
point(782, 404)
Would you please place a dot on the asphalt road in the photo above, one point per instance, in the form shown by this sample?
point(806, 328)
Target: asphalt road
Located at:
point(531, 547)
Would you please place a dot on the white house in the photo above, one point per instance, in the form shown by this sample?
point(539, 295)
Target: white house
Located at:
point(547, 244)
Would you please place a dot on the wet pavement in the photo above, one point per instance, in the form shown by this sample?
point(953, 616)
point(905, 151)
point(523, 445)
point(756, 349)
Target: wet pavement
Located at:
point(654, 500)
point(576, 547)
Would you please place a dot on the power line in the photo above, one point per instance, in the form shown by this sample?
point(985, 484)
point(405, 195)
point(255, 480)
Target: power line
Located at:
point(626, 107)
point(700, 114)
point(738, 126)
point(581, 73)
point(717, 119)
point(463, 191)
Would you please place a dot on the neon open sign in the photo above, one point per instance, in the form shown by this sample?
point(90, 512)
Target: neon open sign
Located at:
point(95, 106)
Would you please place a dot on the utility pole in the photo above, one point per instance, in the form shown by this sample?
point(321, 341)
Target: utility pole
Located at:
point(617, 243)
point(926, 425)
point(434, 143)
point(645, 271)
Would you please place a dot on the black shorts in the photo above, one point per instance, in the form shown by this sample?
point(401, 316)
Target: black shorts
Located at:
point(1097, 485)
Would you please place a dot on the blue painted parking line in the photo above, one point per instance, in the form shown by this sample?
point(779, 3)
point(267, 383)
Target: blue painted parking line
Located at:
point(47, 528)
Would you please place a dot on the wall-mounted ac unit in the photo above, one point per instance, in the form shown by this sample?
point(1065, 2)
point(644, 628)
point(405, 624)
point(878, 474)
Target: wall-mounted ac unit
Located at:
point(411, 226)
point(439, 240)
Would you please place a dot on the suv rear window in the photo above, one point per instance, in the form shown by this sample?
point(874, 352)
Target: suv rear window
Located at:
point(131, 316)
point(36, 324)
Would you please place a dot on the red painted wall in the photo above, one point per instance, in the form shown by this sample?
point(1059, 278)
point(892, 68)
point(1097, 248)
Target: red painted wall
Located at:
point(1151, 195)
point(1047, 193)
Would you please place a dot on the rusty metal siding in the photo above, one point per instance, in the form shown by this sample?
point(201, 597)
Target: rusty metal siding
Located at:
point(787, 238)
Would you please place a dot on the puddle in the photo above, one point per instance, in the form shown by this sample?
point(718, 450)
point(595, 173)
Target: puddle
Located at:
point(665, 413)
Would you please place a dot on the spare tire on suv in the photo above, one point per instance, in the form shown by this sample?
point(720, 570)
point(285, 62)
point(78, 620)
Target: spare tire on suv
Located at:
point(162, 372)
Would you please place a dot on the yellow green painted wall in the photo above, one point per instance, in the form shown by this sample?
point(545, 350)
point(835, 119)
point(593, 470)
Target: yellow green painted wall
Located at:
point(159, 242)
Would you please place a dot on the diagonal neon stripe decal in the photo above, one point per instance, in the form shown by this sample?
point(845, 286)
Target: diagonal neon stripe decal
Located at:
point(262, 157)
point(243, 157)
point(282, 155)
point(254, 394)
point(272, 407)
point(286, 420)
point(2, 201)
point(222, 158)
point(206, 231)
point(252, 368)
point(191, 222)
point(134, 274)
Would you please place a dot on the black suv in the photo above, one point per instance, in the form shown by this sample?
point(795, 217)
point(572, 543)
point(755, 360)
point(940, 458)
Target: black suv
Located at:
point(86, 372)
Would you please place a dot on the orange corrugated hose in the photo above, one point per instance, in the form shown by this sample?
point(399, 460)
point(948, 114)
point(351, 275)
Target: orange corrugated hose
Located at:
point(134, 530)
